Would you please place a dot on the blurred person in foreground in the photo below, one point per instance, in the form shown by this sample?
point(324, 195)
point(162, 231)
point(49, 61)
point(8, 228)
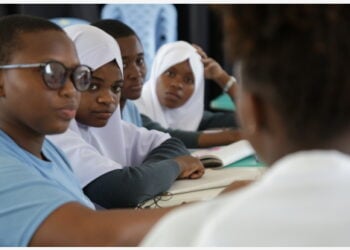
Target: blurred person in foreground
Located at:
point(294, 108)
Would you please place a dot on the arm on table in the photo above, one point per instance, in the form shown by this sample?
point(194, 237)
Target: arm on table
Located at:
point(75, 225)
point(236, 185)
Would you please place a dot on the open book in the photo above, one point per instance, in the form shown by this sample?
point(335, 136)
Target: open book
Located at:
point(224, 155)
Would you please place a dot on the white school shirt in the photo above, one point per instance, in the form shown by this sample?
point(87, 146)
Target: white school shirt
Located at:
point(93, 152)
point(302, 201)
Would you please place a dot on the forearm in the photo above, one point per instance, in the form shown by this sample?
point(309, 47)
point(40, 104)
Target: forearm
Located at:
point(210, 139)
point(129, 186)
point(214, 120)
point(130, 232)
point(169, 149)
point(236, 185)
point(75, 225)
point(222, 80)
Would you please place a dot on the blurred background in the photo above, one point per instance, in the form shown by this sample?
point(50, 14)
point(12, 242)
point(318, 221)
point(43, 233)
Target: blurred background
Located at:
point(156, 24)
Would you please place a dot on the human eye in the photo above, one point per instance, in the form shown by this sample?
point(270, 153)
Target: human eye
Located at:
point(140, 61)
point(94, 87)
point(189, 80)
point(170, 73)
point(116, 88)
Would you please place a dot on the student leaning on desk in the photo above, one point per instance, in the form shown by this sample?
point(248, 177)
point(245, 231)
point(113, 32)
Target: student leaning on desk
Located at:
point(135, 71)
point(174, 94)
point(294, 108)
point(42, 203)
point(302, 201)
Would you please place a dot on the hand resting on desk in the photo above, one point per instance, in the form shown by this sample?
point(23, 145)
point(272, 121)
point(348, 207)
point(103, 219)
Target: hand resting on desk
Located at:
point(191, 167)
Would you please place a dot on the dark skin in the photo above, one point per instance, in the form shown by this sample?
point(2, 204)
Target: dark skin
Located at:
point(72, 224)
point(28, 128)
point(134, 75)
point(215, 72)
point(134, 68)
point(102, 98)
point(175, 85)
point(265, 129)
point(236, 185)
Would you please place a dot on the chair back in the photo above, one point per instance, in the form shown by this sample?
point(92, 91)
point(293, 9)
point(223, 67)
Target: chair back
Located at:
point(67, 21)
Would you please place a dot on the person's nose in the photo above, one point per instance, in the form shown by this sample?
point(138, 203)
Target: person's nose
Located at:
point(107, 97)
point(134, 71)
point(68, 89)
point(177, 83)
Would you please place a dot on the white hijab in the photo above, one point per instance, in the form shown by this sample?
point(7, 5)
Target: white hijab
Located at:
point(189, 115)
point(96, 48)
point(91, 151)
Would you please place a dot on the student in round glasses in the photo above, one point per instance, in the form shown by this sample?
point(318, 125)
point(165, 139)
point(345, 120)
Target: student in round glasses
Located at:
point(42, 203)
point(117, 163)
point(55, 74)
point(135, 72)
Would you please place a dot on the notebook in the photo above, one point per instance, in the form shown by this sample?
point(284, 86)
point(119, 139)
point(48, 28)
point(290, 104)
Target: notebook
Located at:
point(224, 155)
point(216, 178)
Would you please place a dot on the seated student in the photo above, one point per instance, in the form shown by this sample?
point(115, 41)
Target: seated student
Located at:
point(174, 94)
point(117, 163)
point(41, 201)
point(294, 108)
point(135, 71)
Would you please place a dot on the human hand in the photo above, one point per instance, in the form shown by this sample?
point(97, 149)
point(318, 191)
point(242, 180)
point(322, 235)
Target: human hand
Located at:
point(191, 167)
point(212, 69)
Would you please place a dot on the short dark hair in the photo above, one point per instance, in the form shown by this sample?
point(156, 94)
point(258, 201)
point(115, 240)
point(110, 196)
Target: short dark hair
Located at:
point(115, 28)
point(297, 57)
point(13, 25)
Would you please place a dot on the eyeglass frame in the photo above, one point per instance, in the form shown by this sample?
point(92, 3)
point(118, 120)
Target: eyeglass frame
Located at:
point(69, 71)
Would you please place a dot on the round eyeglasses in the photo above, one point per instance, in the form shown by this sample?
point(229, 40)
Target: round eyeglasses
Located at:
point(55, 74)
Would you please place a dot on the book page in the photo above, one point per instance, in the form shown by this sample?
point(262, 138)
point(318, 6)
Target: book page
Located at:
point(227, 154)
point(216, 179)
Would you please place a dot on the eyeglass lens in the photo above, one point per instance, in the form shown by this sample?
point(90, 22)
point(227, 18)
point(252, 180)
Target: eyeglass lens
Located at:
point(55, 75)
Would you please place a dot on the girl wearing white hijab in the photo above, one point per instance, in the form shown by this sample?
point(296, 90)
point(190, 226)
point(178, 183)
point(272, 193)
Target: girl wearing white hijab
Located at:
point(189, 115)
point(117, 163)
point(157, 101)
point(135, 72)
